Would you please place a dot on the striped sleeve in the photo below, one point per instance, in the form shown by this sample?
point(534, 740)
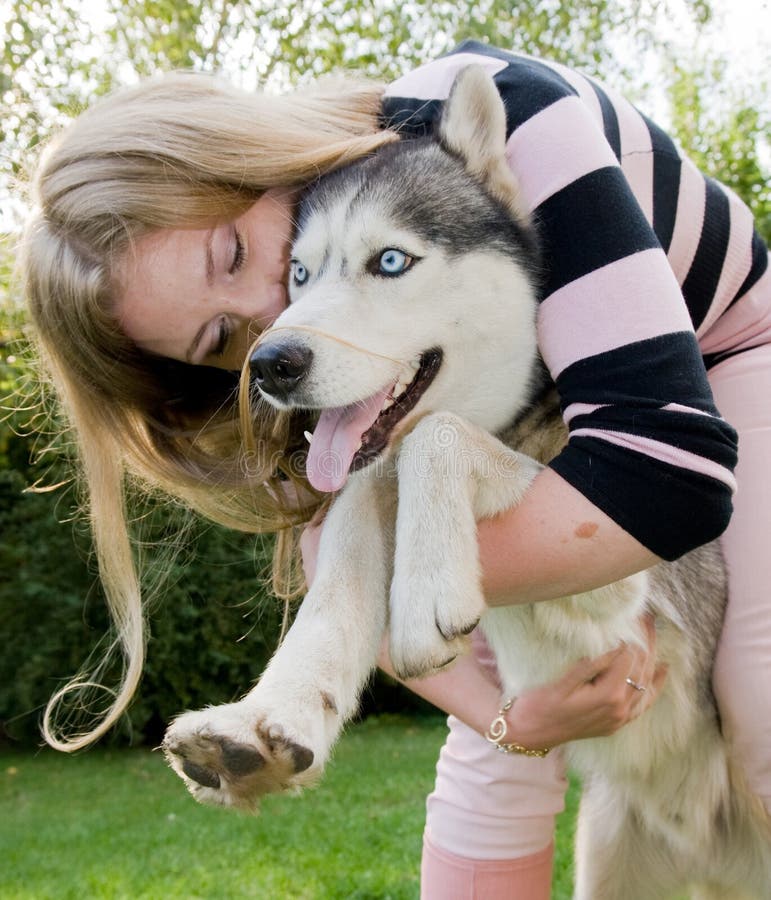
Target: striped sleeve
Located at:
point(616, 321)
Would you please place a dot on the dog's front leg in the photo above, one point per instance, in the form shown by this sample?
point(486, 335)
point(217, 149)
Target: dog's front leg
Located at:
point(280, 734)
point(451, 474)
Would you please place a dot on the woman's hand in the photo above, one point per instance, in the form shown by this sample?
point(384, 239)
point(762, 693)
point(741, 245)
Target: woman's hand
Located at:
point(593, 699)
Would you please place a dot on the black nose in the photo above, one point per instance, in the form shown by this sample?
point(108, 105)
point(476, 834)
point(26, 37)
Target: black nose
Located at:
point(277, 369)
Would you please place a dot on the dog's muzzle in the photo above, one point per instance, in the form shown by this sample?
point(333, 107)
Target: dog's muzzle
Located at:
point(278, 368)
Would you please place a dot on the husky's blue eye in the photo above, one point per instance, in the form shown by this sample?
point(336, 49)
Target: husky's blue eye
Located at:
point(393, 262)
point(298, 271)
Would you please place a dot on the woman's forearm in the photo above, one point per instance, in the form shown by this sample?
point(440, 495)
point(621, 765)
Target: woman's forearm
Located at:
point(463, 690)
point(555, 543)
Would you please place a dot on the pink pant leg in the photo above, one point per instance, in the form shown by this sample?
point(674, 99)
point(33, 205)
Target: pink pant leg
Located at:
point(742, 678)
point(491, 805)
point(490, 819)
point(448, 876)
point(490, 822)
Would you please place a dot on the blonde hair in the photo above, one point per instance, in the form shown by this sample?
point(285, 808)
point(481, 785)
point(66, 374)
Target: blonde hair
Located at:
point(178, 151)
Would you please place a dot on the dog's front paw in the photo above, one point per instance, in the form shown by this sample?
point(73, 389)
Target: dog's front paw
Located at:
point(231, 755)
point(430, 627)
point(416, 656)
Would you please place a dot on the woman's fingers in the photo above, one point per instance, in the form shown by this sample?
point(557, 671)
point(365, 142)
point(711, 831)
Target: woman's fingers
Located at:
point(622, 683)
point(648, 662)
point(653, 689)
point(587, 671)
point(646, 673)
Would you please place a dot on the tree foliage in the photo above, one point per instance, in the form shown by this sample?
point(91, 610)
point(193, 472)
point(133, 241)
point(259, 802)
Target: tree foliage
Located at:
point(58, 55)
point(726, 130)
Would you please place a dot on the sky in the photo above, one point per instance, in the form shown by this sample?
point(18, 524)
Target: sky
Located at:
point(746, 29)
point(743, 27)
point(740, 32)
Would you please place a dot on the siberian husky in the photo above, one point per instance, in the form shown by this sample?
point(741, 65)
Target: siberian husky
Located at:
point(452, 339)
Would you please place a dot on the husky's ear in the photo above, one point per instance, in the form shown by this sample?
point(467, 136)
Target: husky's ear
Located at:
point(473, 126)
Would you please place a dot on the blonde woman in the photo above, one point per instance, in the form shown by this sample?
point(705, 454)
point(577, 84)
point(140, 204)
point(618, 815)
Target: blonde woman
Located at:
point(159, 250)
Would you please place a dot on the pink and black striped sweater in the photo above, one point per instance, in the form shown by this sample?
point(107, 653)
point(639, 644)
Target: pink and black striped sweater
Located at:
point(653, 273)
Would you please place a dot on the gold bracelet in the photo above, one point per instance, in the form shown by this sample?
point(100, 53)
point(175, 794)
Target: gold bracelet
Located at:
point(497, 732)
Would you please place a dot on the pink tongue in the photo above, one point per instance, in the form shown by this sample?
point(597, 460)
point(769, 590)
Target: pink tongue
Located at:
point(337, 438)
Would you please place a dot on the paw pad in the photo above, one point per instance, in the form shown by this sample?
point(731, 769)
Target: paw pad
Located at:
point(221, 770)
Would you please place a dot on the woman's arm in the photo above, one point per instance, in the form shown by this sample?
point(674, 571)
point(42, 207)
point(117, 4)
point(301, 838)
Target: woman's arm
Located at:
point(553, 544)
point(592, 699)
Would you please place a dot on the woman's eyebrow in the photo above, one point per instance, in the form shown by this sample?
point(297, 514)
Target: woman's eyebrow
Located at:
point(209, 258)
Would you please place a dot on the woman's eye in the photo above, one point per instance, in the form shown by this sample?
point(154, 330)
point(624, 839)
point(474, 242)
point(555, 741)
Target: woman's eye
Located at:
point(298, 271)
point(239, 254)
point(391, 262)
point(223, 336)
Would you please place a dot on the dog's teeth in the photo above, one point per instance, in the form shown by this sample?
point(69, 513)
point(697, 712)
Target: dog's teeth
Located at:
point(389, 402)
point(308, 436)
point(407, 376)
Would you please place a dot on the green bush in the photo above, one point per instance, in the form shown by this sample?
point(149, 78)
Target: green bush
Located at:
point(209, 636)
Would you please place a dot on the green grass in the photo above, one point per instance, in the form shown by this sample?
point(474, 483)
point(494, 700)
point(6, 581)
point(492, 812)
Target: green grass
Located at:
point(118, 824)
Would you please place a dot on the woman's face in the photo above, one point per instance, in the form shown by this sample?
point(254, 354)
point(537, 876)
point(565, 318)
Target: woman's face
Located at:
point(202, 296)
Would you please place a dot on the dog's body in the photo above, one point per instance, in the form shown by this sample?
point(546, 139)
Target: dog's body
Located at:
point(412, 277)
